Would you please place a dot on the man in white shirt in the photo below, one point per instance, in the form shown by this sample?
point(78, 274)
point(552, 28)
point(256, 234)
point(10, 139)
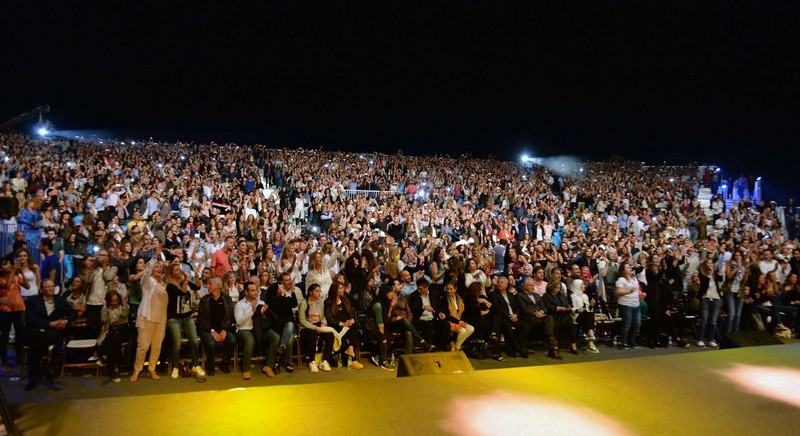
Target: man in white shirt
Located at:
point(767, 263)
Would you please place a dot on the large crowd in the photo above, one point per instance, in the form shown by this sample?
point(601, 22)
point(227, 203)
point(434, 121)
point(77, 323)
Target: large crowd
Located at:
point(248, 248)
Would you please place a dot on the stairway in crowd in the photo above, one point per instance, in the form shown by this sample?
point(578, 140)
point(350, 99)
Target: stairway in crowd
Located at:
point(704, 197)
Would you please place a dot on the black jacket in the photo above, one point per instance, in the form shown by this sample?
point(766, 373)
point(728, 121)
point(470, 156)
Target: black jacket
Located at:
point(204, 315)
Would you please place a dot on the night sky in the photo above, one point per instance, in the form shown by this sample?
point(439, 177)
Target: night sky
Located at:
point(653, 81)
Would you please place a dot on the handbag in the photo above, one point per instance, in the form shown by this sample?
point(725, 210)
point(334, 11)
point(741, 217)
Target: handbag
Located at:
point(184, 370)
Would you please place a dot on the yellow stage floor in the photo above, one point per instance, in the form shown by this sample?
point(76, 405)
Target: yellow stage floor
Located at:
point(737, 391)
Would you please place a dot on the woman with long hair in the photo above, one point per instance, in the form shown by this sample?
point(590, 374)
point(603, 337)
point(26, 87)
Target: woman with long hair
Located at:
point(319, 274)
point(627, 289)
point(179, 318)
point(312, 329)
point(340, 314)
point(453, 314)
point(710, 301)
point(12, 311)
point(29, 270)
point(736, 274)
point(230, 287)
point(113, 333)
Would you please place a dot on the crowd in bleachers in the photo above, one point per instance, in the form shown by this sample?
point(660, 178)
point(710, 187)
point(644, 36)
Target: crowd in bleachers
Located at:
point(224, 249)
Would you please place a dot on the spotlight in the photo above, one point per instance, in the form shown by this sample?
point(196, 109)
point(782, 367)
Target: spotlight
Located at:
point(525, 158)
point(672, 180)
point(581, 170)
point(42, 131)
point(371, 162)
point(758, 179)
point(183, 157)
point(133, 142)
point(719, 169)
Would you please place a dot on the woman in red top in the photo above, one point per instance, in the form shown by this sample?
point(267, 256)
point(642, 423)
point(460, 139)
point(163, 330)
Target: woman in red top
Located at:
point(12, 310)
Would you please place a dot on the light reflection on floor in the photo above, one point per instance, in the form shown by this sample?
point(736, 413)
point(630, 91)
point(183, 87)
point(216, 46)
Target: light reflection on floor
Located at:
point(782, 384)
point(509, 413)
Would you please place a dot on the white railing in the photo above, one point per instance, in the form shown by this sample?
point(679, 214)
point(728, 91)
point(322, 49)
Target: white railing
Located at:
point(353, 193)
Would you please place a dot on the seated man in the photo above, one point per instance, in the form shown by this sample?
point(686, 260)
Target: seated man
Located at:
point(281, 302)
point(506, 321)
point(216, 324)
point(533, 313)
point(46, 319)
point(424, 304)
point(253, 330)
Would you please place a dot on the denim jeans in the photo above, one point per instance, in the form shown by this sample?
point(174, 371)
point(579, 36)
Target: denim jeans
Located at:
point(186, 325)
point(287, 340)
point(631, 320)
point(272, 341)
point(248, 343)
point(733, 305)
point(210, 344)
point(709, 312)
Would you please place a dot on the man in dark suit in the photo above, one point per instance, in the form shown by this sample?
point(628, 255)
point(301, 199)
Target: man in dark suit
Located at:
point(47, 317)
point(534, 313)
point(506, 319)
point(425, 305)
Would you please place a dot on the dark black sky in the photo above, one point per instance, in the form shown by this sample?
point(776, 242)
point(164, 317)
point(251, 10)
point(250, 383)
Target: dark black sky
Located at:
point(676, 81)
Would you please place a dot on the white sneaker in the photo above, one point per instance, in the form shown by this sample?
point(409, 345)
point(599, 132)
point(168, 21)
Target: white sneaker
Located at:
point(175, 372)
point(592, 349)
point(325, 366)
point(313, 366)
point(701, 344)
point(713, 344)
point(198, 370)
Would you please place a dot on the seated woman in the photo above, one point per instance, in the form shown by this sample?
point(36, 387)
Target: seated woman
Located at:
point(113, 333)
point(339, 313)
point(399, 321)
point(453, 311)
point(476, 310)
point(583, 313)
point(179, 318)
point(375, 329)
point(558, 307)
point(312, 329)
point(76, 297)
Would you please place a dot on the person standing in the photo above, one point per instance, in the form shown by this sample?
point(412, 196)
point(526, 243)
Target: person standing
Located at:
point(151, 321)
point(627, 290)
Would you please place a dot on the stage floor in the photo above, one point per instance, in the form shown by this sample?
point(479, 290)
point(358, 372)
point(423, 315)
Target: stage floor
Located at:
point(753, 390)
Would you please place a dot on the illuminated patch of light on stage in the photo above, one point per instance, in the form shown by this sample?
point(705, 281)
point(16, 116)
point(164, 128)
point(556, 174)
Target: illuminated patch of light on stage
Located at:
point(782, 384)
point(509, 413)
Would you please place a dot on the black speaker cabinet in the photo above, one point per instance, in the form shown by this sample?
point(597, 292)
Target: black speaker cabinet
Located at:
point(454, 362)
point(748, 339)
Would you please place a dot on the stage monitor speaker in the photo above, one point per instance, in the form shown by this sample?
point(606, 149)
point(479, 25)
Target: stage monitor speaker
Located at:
point(748, 339)
point(453, 362)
